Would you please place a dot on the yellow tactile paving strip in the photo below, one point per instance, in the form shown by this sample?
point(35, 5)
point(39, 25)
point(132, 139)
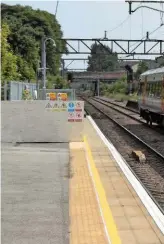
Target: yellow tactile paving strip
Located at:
point(107, 216)
point(134, 224)
point(86, 225)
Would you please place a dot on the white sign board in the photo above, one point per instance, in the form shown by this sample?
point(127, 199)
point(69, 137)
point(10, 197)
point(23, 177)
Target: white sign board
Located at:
point(74, 109)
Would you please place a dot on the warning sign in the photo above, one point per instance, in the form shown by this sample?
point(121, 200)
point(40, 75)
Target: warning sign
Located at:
point(74, 109)
point(71, 116)
point(78, 116)
point(52, 96)
point(55, 105)
point(63, 106)
point(62, 97)
point(48, 105)
point(78, 106)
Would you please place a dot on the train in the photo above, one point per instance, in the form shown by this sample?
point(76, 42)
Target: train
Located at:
point(151, 96)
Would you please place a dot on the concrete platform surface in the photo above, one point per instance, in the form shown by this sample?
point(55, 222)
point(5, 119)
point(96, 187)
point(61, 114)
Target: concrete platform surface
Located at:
point(35, 201)
point(133, 222)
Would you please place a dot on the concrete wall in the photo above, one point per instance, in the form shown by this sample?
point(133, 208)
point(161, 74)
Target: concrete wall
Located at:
point(29, 121)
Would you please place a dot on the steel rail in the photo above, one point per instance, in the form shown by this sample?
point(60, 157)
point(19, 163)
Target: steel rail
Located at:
point(121, 112)
point(118, 105)
point(117, 110)
point(129, 132)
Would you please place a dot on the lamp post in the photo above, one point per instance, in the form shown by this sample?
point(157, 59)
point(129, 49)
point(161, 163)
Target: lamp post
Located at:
point(44, 39)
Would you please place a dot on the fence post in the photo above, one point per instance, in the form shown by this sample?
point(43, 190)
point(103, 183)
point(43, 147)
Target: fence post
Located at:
point(18, 96)
point(10, 90)
point(5, 91)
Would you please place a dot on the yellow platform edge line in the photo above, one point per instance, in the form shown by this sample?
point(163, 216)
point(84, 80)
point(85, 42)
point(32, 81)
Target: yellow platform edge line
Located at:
point(110, 226)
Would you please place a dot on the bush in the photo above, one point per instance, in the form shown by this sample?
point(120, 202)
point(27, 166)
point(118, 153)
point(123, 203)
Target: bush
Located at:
point(119, 86)
point(57, 82)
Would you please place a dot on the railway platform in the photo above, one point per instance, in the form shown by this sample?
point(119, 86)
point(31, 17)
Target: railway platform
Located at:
point(104, 206)
point(76, 193)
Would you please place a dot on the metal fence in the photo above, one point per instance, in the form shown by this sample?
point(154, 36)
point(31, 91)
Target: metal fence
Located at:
point(5, 92)
point(16, 89)
point(70, 93)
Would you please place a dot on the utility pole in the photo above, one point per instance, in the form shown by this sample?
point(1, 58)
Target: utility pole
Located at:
point(37, 77)
point(43, 60)
point(44, 67)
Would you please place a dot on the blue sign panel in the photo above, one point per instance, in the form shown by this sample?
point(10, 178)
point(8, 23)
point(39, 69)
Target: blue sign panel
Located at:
point(71, 107)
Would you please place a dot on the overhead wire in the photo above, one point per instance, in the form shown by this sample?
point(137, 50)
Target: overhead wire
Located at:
point(143, 39)
point(150, 33)
point(119, 25)
point(123, 22)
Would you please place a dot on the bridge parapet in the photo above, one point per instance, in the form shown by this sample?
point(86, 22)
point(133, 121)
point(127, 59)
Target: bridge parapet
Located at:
point(99, 75)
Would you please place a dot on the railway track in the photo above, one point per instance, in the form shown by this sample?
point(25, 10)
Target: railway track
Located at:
point(131, 113)
point(116, 129)
point(117, 105)
point(150, 136)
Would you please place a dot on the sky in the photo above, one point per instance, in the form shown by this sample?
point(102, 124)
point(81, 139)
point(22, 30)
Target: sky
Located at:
point(89, 19)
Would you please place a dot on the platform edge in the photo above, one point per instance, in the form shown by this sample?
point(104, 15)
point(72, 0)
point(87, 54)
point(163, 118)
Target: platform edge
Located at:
point(151, 207)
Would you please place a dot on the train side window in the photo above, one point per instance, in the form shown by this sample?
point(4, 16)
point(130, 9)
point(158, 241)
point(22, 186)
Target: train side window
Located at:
point(160, 89)
point(150, 89)
point(157, 94)
point(153, 89)
point(147, 88)
point(140, 89)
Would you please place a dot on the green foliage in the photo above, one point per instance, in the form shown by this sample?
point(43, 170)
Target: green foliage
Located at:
point(102, 59)
point(57, 82)
point(119, 86)
point(26, 72)
point(142, 67)
point(27, 27)
point(9, 60)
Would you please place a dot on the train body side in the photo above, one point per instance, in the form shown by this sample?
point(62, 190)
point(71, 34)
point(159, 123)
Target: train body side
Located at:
point(151, 96)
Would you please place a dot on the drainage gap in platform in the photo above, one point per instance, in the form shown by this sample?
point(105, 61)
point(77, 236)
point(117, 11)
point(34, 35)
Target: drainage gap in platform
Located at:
point(58, 145)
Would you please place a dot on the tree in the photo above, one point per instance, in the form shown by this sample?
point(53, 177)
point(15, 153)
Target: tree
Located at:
point(142, 67)
point(27, 27)
point(102, 59)
point(8, 59)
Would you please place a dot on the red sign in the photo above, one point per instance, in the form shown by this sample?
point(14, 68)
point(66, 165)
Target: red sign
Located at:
point(78, 116)
point(78, 107)
point(71, 117)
